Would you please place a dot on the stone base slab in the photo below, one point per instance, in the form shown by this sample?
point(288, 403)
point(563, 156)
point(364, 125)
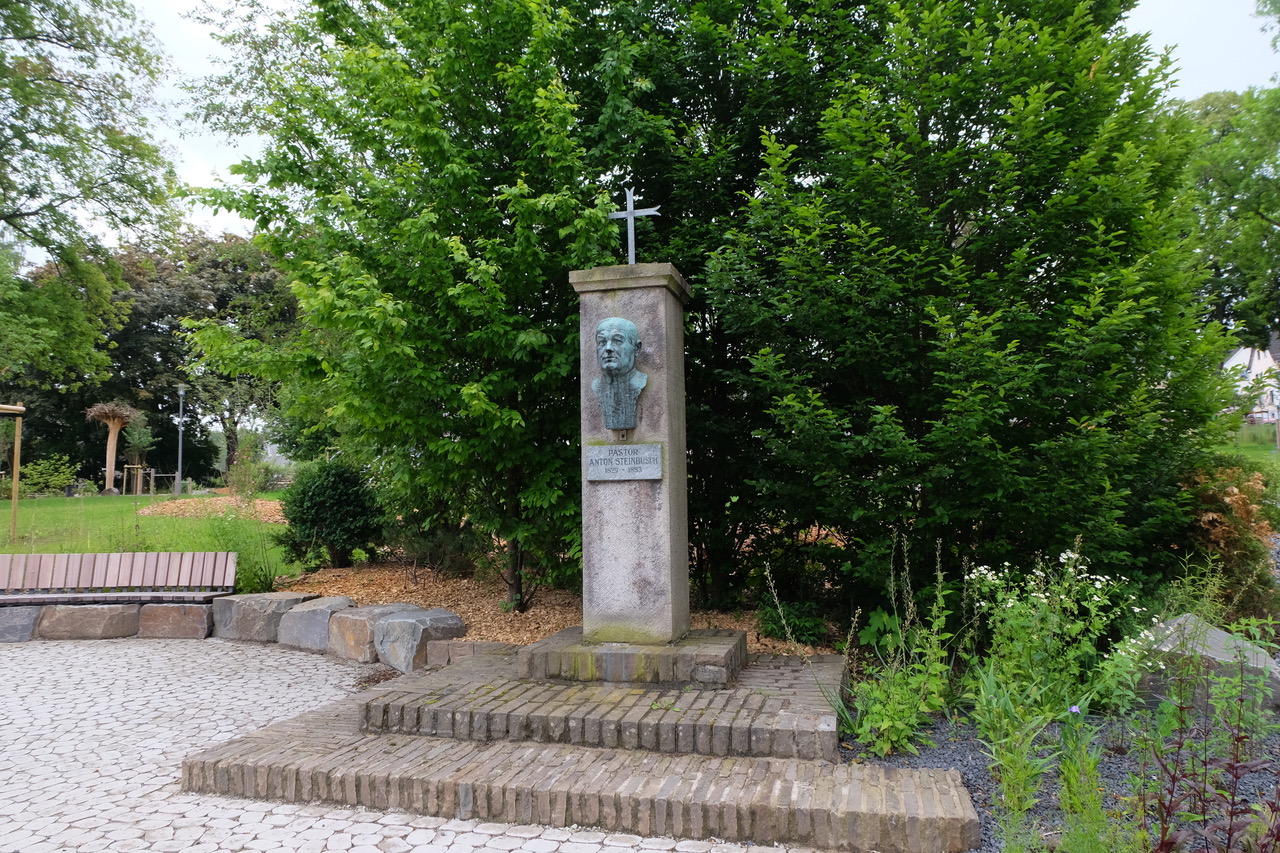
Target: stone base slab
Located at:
point(175, 621)
point(324, 756)
point(87, 621)
point(703, 658)
point(444, 652)
point(778, 708)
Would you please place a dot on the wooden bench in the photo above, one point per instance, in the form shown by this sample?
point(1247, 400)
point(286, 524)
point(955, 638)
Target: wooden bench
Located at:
point(174, 577)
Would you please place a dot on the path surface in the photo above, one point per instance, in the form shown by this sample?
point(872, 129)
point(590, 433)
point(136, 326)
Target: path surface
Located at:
point(92, 735)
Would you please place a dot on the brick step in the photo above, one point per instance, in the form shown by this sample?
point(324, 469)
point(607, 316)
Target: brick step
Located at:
point(777, 708)
point(324, 756)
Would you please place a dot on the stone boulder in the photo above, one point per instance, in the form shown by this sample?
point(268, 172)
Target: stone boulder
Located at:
point(351, 631)
point(175, 621)
point(1187, 645)
point(87, 621)
point(253, 617)
point(401, 639)
point(306, 627)
point(18, 624)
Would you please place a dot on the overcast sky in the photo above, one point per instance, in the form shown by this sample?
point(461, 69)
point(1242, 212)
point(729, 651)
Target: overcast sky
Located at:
point(1217, 45)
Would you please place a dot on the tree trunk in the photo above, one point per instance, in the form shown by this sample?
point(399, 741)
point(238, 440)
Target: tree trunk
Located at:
point(513, 575)
point(232, 436)
point(113, 435)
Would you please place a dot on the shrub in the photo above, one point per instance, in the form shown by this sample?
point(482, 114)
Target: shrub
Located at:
point(801, 617)
point(1230, 524)
point(51, 474)
point(330, 506)
point(247, 479)
point(448, 548)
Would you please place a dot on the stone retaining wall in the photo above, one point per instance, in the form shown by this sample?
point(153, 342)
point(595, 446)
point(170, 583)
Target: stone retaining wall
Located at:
point(417, 637)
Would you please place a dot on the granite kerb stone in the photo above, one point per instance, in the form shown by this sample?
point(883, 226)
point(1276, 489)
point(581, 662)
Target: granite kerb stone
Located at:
point(401, 638)
point(305, 627)
point(253, 617)
point(87, 621)
point(351, 632)
point(175, 621)
point(18, 624)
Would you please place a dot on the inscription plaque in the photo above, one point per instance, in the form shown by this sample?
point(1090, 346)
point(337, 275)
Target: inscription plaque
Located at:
point(624, 462)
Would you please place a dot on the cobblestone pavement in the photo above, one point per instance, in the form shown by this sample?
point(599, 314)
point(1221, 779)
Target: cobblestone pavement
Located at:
point(92, 735)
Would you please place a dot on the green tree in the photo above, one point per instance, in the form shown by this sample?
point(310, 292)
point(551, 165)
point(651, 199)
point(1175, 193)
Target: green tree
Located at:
point(56, 319)
point(144, 357)
point(667, 96)
point(1233, 186)
point(434, 169)
point(974, 312)
point(428, 205)
point(74, 78)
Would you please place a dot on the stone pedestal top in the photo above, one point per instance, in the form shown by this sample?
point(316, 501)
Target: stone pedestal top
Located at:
point(631, 276)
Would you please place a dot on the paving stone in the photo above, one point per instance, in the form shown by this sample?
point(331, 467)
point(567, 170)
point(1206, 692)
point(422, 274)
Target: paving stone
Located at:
point(306, 626)
point(87, 621)
point(175, 621)
point(18, 624)
point(253, 617)
point(351, 632)
point(401, 638)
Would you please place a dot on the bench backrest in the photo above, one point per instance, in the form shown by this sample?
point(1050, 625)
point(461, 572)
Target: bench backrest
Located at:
point(213, 571)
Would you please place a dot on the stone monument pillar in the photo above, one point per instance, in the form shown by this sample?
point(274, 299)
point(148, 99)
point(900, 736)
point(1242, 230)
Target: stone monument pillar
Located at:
point(635, 526)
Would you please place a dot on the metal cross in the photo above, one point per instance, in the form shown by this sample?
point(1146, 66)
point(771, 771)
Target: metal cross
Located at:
point(630, 215)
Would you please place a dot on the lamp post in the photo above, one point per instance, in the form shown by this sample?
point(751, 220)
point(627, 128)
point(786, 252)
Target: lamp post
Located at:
point(182, 397)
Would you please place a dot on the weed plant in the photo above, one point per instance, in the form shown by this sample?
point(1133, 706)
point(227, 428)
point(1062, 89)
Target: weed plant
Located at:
point(895, 700)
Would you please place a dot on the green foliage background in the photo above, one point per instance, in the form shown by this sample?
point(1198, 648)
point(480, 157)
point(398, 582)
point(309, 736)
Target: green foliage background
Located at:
point(943, 289)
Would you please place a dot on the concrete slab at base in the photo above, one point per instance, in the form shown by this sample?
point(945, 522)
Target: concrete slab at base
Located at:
point(703, 658)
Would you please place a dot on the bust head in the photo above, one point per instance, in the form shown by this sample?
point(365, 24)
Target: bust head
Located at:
point(617, 342)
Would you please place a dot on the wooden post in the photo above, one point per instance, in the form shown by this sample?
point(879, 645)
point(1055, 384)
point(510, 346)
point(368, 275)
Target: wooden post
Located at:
point(17, 464)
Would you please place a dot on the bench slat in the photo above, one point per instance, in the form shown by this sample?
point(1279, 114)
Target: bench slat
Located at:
point(185, 562)
point(12, 568)
point(202, 571)
point(226, 579)
point(150, 570)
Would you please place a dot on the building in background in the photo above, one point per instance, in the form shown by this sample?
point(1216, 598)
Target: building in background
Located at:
point(1255, 366)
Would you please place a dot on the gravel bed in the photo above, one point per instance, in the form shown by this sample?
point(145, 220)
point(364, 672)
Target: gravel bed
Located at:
point(957, 747)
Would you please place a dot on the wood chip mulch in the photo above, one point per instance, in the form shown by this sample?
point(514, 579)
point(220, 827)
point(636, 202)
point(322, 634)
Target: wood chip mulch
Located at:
point(263, 510)
point(478, 600)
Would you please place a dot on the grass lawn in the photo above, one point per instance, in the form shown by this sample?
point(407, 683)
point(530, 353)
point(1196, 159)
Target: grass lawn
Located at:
point(93, 525)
